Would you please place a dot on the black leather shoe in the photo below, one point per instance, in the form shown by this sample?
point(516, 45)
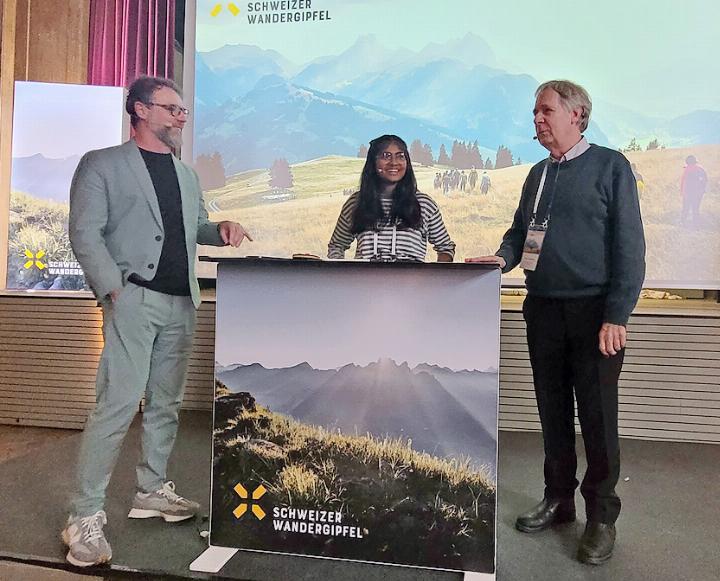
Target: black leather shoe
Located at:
point(549, 512)
point(596, 544)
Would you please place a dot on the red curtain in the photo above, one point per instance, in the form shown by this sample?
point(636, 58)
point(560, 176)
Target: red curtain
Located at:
point(129, 38)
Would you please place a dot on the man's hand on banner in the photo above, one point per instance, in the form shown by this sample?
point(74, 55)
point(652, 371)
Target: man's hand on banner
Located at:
point(489, 259)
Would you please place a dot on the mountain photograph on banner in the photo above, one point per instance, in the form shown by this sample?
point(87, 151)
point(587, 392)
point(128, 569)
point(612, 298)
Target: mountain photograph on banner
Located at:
point(443, 412)
point(333, 440)
point(458, 86)
point(47, 144)
point(388, 449)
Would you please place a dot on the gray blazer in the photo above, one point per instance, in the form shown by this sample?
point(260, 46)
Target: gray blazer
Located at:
point(115, 224)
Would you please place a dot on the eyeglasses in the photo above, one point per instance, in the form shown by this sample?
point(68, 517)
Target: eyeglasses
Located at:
point(174, 110)
point(388, 156)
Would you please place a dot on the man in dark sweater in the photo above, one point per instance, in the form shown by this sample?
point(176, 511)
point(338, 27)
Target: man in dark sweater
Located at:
point(578, 234)
point(136, 217)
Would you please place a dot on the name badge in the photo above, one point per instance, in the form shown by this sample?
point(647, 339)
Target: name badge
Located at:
point(532, 248)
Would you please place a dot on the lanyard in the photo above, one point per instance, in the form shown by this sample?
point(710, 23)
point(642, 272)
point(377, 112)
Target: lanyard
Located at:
point(538, 195)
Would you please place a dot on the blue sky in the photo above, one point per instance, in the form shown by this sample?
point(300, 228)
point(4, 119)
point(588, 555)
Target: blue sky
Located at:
point(283, 316)
point(658, 57)
point(60, 121)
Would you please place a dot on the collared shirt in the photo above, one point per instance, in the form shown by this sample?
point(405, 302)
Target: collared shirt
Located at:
point(575, 151)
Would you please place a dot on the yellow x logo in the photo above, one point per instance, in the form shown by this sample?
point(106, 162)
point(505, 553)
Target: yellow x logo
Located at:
point(234, 10)
point(34, 259)
point(251, 502)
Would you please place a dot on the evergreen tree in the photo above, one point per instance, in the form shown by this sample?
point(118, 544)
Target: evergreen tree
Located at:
point(416, 152)
point(443, 158)
point(474, 157)
point(455, 154)
point(428, 155)
point(503, 157)
point(362, 152)
point(633, 145)
point(280, 174)
point(211, 171)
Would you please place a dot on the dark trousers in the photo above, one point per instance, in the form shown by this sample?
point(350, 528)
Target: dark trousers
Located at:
point(691, 205)
point(562, 337)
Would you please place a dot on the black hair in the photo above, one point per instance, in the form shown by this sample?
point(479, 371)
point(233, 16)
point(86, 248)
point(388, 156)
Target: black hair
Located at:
point(405, 207)
point(141, 91)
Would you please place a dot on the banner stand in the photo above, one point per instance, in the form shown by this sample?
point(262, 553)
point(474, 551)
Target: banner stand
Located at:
point(400, 469)
point(214, 558)
point(475, 576)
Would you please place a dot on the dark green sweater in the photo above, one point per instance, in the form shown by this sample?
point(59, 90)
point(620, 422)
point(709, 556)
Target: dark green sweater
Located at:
point(594, 244)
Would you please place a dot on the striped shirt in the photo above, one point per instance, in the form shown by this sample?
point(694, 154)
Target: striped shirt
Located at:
point(387, 241)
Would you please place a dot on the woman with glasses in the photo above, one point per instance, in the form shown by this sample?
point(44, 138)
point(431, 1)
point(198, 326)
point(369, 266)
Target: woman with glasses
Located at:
point(388, 217)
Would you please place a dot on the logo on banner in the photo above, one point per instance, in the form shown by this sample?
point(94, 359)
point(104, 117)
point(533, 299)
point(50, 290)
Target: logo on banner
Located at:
point(249, 501)
point(329, 523)
point(33, 259)
point(282, 11)
point(231, 6)
point(65, 267)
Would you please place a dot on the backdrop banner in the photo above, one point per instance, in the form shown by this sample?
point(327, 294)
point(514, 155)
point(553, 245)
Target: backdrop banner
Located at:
point(288, 95)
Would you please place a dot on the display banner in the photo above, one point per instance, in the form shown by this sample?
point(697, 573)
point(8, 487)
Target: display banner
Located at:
point(53, 126)
point(355, 412)
point(288, 95)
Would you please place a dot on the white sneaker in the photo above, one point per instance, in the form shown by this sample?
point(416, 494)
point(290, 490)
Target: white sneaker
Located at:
point(163, 503)
point(85, 540)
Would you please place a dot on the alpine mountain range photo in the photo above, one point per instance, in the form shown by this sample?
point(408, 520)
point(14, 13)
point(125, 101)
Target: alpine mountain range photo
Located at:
point(444, 413)
point(454, 90)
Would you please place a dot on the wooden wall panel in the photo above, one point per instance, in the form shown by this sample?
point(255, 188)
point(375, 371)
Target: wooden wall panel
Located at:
point(7, 78)
point(51, 43)
point(49, 352)
point(669, 388)
point(201, 370)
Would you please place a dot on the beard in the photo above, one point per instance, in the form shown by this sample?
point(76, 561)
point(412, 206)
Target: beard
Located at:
point(170, 136)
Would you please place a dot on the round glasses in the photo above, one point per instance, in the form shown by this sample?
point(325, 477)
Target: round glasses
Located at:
point(174, 110)
point(388, 156)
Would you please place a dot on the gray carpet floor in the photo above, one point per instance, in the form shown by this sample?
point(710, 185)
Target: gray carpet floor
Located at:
point(669, 528)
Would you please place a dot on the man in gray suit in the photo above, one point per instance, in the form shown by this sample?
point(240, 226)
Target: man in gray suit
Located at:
point(136, 215)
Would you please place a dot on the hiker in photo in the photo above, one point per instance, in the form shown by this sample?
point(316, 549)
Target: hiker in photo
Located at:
point(390, 220)
point(472, 178)
point(446, 183)
point(639, 181)
point(692, 187)
point(485, 183)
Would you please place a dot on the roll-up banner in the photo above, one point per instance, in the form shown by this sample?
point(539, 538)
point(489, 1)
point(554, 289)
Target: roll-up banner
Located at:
point(355, 413)
point(54, 124)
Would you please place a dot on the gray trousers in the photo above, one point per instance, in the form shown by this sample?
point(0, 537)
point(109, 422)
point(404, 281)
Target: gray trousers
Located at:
point(148, 339)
